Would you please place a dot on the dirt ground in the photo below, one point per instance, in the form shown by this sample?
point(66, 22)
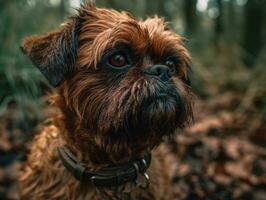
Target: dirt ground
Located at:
point(221, 156)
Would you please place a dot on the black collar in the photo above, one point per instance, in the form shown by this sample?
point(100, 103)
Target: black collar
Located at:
point(109, 176)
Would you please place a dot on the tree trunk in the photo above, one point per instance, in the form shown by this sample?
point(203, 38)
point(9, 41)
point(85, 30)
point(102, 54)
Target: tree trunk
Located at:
point(190, 15)
point(253, 29)
point(218, 27)
point(232, 18)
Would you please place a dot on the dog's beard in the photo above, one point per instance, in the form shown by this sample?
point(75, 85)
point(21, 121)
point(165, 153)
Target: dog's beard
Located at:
point(130, 109)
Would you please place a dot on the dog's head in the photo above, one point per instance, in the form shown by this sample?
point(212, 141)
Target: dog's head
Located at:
point(119, 79)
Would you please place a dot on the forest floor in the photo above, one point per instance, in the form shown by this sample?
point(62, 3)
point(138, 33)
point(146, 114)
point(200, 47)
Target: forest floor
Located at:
point(221, 156)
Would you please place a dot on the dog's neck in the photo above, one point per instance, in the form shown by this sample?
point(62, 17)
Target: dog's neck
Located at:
point(103, 166)
point(96, 152)
point(100, 156)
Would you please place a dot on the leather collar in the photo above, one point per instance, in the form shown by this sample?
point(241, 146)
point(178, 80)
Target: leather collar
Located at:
point(108, 176)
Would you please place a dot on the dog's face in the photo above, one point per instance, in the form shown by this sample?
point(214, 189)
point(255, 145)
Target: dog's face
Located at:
point(117, 77)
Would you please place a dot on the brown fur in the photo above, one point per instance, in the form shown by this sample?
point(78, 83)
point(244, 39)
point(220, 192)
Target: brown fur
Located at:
point(100, 111)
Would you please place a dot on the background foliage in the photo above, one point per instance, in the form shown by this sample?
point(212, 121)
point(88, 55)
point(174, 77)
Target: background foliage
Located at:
point(227, 41)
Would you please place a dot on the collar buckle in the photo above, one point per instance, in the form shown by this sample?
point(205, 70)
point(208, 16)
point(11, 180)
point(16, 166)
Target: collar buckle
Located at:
point(143, 179)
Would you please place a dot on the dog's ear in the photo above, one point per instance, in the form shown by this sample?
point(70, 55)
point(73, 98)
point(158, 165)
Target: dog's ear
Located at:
point(54, 53)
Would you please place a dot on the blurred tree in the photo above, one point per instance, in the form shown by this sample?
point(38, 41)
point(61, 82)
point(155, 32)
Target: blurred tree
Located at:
point(159, 8)
point(218, 27)
point(232, 18)
point(190, 16)
point(253, 30)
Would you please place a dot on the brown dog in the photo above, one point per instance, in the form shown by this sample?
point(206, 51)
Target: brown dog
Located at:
point(122, 87)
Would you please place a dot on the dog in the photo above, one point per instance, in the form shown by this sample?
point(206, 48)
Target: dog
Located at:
point(122, 88)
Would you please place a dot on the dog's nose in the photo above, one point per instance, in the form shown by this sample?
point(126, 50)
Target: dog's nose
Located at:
point(159, 71)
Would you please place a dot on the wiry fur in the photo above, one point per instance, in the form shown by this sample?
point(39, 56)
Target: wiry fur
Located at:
point(106, 117)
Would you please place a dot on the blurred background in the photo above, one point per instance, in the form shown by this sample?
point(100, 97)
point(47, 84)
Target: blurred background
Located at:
point(222, 155)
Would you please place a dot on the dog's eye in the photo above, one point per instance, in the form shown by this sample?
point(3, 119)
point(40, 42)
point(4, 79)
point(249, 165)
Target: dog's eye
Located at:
point(117, 60)
point(172, 63)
